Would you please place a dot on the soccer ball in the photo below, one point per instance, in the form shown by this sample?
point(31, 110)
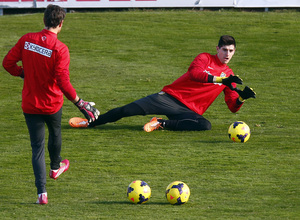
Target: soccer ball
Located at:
point(177, 193)
point(239, 131)
point(138, 192)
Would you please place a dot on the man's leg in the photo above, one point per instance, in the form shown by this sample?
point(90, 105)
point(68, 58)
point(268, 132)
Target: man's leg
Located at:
point(181, 118)
point(186, 122)
point(118, 113)
point(54, 142)
point(36, 128)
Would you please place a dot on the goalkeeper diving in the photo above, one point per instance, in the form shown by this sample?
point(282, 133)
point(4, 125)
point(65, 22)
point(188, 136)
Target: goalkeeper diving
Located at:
point(185, 100)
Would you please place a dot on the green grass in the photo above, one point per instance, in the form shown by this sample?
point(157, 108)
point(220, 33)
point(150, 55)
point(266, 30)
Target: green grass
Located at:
point(118, 57)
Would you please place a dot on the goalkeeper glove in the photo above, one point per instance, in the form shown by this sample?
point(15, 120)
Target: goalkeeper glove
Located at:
point(228, 80)
point(246, 93)
point(88, 110)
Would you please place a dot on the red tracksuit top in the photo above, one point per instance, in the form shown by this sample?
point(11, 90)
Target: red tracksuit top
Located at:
point(193, 89)
point(45, 62)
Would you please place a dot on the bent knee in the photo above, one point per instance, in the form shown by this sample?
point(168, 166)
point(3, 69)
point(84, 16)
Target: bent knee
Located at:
point(204, 125)
point(207, 126)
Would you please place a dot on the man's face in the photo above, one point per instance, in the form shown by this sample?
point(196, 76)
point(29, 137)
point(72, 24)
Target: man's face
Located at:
point(225, 53)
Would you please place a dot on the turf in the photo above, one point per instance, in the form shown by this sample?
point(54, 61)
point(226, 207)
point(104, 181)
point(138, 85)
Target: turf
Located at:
point(118, 57)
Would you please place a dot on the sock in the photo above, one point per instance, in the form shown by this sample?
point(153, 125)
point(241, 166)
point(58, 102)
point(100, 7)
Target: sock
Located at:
point(162, 121)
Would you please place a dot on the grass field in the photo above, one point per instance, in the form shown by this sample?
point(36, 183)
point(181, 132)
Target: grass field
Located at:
point(118, 57)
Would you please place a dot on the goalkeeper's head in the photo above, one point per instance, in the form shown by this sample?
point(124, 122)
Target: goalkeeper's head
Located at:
point(226, 48)
point(226, 40)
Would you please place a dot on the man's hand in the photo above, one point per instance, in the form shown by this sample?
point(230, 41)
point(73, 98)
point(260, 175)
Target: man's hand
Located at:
point(88, 110)
point(231, 79)
point(246, 93)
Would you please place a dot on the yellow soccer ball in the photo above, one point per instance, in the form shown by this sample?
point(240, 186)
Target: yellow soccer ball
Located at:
point(138, 192)
point(177, 193)
point(239, 131)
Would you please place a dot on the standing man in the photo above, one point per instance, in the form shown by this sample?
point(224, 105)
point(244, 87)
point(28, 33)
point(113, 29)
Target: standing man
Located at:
point(187, 98)
point(45, 72)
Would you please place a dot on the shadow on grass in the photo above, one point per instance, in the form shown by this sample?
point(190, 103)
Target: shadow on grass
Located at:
point(109, 127)
point(211, 141)
point(127, 203)
point(115, 127)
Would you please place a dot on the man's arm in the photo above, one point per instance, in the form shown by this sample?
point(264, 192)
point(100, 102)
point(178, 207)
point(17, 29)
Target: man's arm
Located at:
point(197, 73)
point(62, 76)
point(232, 99)
point(227, 81)
point(12, 58)
point(197, 68)
point(235, 98)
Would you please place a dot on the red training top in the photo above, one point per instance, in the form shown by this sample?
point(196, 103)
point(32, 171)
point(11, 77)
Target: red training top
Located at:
point(193, 89)
point(45, 62)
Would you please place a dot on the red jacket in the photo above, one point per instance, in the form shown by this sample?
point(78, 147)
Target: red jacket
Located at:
point(193, 89)
point(45, 63)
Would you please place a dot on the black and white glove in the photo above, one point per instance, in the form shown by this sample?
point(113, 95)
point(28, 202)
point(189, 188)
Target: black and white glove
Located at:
point(88, 110)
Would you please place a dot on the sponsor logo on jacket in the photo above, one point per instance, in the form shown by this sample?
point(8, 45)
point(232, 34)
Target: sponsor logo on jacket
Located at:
point(37, 49)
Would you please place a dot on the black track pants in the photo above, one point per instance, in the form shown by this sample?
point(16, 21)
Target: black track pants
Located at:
point(180, 117)
point(36, 128)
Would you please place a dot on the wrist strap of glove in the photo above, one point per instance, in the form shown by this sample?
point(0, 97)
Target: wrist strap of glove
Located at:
point(80, 103)
point(241, 99)
point(218, 79)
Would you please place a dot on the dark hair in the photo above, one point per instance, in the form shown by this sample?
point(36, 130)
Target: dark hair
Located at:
point(226, 40)
point(53, 16)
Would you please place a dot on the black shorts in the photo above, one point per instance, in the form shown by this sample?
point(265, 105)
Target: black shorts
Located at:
point(164, 104)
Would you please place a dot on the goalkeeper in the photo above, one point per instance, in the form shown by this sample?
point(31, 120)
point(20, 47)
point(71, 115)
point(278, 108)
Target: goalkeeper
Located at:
point(187, 98)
